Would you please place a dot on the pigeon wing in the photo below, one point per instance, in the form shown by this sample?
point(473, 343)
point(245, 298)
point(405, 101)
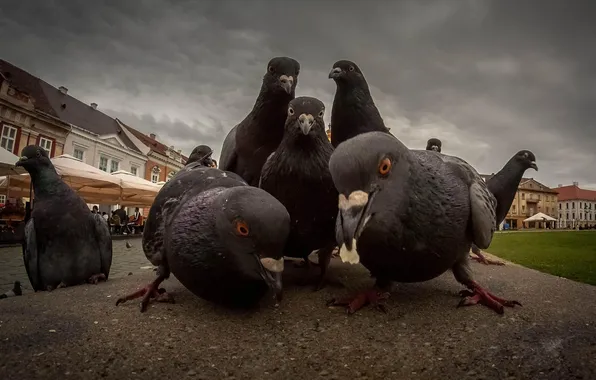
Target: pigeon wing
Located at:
point(30, 256)
point(104, 241)
point(228, 156)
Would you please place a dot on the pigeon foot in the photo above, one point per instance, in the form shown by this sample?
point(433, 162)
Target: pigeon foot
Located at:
point(151, 291)
point(373, 297)
point(478, 295)
point(482, 259)
point(96, 278)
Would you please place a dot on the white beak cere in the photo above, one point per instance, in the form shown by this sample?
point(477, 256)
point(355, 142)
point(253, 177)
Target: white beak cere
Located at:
point(356, 198)
point(273, 265)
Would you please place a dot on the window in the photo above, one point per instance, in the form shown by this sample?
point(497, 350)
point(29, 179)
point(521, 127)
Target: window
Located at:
point(154, 177)
point(523, 208)
point(133, 170)
point(573, 215)
point(46, 144)
point(580, 205)
point(567, 216)
point(2, 198)
point(523, 195)
point(559, 206)
point(572, 204)
point(114, 165)
point(79, 154)
point(103, 164)
point(567, 205)
point(9, 135)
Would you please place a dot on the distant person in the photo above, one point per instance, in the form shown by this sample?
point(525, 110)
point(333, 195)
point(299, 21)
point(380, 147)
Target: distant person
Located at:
point(104, 215)
point(94, 210)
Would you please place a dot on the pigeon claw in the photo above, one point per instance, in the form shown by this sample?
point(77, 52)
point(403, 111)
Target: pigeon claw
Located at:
point(96, 278)
point(478, 295)
point(372, 297)
point(482, 259)
point(149, 292)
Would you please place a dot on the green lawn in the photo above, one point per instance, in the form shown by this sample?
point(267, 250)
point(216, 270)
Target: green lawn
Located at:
point(569, 254)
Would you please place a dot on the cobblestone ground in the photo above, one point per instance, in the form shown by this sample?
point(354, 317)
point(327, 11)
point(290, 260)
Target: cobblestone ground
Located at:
point(124, 261)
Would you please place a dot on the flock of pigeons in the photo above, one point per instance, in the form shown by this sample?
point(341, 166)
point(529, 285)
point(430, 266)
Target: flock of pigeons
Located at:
point(284, 190)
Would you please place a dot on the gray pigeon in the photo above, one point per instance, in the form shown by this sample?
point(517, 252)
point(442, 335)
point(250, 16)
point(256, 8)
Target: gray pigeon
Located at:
point(504, 185)
point(297, 174)
point(248, 145)
point(222, 239)
point(65, 244)
point(201, 155)
point(410, 215)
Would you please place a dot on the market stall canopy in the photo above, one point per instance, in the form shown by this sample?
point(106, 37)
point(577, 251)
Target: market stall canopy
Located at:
point(136, 191)
point(540, 217)
point(91, 183)
point(7, 161)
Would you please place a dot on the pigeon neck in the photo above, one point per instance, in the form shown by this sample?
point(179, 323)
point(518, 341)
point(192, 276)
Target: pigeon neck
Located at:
point(506, 181)
point(45, 182)
point(357, 92)
point(271, 108)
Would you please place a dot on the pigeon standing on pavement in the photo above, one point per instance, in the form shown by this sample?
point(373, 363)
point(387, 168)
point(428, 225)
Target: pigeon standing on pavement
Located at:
point(504, 186)
point(410, 215)
point(297, 174)
point(434, 144)
point(248, 145)
point(128, 245)
point(65, 244)
point(222, 239)
point(354, 111)
point(15, 291)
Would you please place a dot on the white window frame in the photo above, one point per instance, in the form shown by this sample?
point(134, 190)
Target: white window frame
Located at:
point(3, 198)
point(112, 162)
point(154, 177)
point(74, 153)
point(107, 163)
point(8, 128)
point(170, 175)
point(136, 170)
point(45, 141)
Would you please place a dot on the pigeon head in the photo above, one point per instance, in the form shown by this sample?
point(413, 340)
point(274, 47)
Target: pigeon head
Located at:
point(305, 116)
point(254, 226)
point(346, 72)
point(363, 168)
point(282, 75)
point(202, 154)
point(33, 158)
point(434, 144)
point(526, 159)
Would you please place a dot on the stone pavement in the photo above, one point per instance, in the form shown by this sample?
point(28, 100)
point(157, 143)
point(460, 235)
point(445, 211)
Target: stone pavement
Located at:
point(79, 333)
point(124, 261)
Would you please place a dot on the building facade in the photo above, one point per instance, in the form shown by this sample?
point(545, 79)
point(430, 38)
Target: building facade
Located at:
point(576, 206)
point(531, 198)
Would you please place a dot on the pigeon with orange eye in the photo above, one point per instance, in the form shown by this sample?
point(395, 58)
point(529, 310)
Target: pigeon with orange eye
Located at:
point(222, 239)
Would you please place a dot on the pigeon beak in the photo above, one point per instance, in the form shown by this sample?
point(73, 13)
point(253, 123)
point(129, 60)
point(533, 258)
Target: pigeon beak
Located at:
point(286, 83)
point(272, 274)
point(533, 165)
point(335, 73)
point(354, 213)
point(435, 148)
point(306, 122)
point(21, 160)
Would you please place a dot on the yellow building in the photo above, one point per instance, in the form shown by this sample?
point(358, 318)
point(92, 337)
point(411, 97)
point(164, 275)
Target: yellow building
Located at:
point(531, 198)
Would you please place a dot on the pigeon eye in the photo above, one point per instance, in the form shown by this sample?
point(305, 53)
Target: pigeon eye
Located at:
point(384, 166)
point(271, 69)
point(242, 228)
point(351, 68)
point(526, 154)
point(290, 111)
point(38, 153)
point(322, 113)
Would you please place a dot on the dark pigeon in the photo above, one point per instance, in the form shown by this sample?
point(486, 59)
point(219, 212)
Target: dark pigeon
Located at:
point(297, 174)
point(248, 145)
point(434, 144)
point(201, 155)
point(222, 239)
point(504, 185)
point(410, 215)
point(65, 244)
point(14, 292)
point(354, 111)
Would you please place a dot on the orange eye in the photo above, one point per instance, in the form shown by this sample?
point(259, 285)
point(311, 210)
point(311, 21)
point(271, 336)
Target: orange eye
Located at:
point(242, 228)
point(384, 166)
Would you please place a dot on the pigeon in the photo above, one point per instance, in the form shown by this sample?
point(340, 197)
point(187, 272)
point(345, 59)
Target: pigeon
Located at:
point(434, 144)
point(409, 216)
point(222, 239)
point(248, 145)
point(128, 245)
point(354, 111)
point(297, 174)
point(202, 155)
point(504, 185)
point(65, 244)
point(15, 291)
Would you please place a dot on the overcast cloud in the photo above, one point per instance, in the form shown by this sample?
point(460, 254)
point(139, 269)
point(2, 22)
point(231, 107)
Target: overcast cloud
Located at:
point(486, 77)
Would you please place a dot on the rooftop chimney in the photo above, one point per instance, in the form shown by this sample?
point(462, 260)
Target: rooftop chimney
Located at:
point(63, 90)
point(576, 184)
point(93, 105)
point(179, 151)
point(152, 135)
point(172, 148)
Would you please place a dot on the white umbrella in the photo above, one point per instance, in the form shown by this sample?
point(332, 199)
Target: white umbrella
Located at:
point(135, 191)
point(540, 217)
point(7, 161)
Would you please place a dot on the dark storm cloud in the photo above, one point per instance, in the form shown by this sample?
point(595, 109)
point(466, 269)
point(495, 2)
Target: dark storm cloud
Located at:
point(486, 77)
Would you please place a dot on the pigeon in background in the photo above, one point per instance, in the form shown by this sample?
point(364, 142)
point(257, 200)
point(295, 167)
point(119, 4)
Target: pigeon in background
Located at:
point(201, 155)
point(222, 239)
point(15, 291)
point(297, 174)
point(65, 244)
point(504, 186)
point(128, 245)
point(409, 216)
point(434, 144)
point(248, 145)
point(354, 111)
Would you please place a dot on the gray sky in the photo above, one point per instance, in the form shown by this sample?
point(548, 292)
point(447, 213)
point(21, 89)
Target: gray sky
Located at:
point(486, 77)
